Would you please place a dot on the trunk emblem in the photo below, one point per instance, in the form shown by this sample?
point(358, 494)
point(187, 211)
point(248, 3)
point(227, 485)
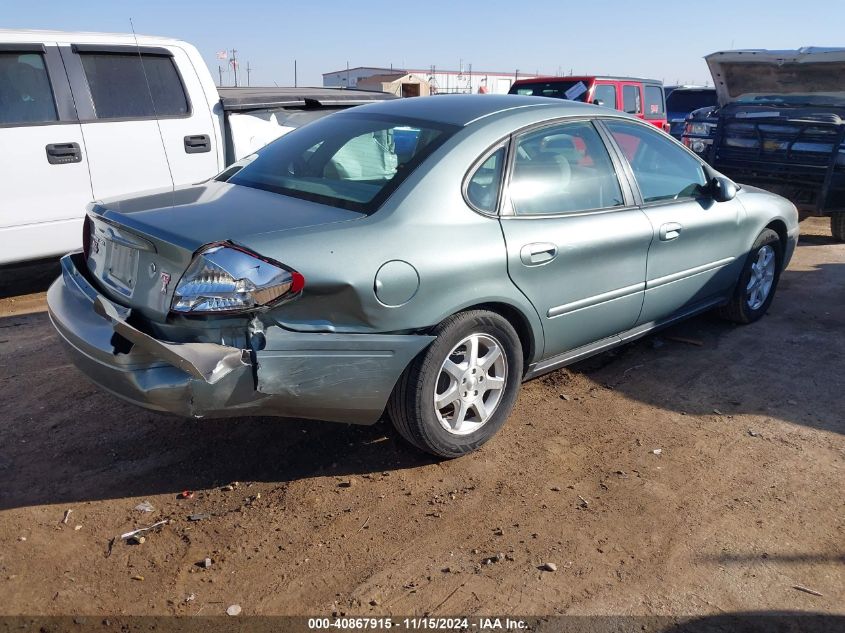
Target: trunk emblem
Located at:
point(165, 281)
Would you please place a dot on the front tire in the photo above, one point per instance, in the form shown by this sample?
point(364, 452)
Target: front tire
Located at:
point(460, 391)
point(758, 281)
point(837, 226)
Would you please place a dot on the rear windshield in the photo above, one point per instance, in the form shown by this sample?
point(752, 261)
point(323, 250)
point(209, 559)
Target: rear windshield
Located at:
point(689, 100)
point(572, 90)
point(353, 161)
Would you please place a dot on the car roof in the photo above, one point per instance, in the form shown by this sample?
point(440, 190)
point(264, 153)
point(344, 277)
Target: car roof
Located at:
point(553, 78)
point(691, 88)
point(465, 109)
point(28, 36)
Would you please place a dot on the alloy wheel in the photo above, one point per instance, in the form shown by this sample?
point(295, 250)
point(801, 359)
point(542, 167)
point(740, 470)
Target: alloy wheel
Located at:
point(470, 384)
point(762, 277)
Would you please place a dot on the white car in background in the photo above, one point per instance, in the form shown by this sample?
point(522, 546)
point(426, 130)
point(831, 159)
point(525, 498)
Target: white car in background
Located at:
point(86, 116)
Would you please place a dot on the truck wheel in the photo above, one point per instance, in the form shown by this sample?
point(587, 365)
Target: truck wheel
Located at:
point(458, 392)
point(837, 226)
point(757, 282)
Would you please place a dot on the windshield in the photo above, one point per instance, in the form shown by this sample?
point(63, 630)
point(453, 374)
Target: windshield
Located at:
point(688, 100)
point(353, 161)
point(572, 90)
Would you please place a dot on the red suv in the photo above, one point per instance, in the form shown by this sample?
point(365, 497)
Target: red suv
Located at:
point(640, 97)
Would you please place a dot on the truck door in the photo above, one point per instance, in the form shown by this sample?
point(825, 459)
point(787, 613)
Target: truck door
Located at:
point(190, 141)
point(43, 162)
point(125, 149)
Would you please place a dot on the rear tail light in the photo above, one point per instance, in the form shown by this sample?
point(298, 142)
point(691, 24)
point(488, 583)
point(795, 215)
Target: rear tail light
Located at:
point(86, 237)
point(225, 278)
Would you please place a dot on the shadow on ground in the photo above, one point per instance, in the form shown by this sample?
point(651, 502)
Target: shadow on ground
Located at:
point(28, 278)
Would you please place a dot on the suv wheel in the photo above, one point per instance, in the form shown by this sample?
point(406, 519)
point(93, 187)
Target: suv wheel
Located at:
point(458, 392)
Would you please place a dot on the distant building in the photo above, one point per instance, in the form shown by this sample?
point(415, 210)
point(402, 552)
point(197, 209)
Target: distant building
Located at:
point(399, 84)
point(439, 81)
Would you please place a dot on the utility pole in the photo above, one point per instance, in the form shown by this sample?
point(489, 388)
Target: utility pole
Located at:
point(347, 74)
point(295, 85)
point(235, 65)
point(248, 70)
point(220, 74)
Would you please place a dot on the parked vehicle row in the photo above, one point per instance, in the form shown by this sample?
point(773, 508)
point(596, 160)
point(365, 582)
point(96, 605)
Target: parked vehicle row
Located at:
point(681, 101)
point(779, 124)
point(92, 116)
point(423, 256)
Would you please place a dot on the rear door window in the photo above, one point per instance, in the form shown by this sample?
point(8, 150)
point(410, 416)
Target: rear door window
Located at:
point(606, 93)
point(131, 85)
point(25, 92)
point(631, 99)
point(654, 102)
point(563, 169)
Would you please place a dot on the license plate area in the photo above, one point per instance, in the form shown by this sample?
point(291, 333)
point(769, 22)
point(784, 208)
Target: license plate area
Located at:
point(120, 268)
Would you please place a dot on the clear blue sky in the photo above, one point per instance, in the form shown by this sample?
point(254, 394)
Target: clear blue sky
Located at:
point(664, 40)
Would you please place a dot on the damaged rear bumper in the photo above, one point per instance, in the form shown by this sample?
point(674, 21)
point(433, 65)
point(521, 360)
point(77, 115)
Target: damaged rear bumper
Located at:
point(337, 377)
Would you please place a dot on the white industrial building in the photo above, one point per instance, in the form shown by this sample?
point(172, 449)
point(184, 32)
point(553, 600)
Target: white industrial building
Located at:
point(440, 81)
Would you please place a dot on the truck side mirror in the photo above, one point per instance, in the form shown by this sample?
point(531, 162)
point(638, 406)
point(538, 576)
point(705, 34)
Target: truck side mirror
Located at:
point(721, 189)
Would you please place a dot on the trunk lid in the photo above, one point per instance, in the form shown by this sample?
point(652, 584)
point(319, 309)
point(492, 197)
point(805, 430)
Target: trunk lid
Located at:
point(140, 246)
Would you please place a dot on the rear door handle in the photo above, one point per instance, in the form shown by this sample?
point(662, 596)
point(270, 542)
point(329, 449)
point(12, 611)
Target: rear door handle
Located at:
point(197, 144)
point(538, 253)
point(670, 231)
point(61, 153)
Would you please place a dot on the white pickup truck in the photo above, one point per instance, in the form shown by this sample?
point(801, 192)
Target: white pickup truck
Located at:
point(86, 116)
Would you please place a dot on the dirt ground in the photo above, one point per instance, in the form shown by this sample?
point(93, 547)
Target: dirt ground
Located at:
point(743, 502)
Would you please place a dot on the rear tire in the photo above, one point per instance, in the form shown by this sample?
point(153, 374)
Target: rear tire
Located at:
point(451, 400)
point(758, 281)
point(837, 226)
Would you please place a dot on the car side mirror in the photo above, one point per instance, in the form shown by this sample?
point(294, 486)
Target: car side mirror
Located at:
point(721, 189)
point(598, 102)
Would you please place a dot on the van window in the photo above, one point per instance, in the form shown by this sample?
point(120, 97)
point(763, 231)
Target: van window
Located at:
point(25, 92)
point(121, 86)
point(631, 99)
point(654, 102)
point(605, 93)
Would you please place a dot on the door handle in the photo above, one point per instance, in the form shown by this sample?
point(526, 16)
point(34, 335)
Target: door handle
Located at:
point(538, 253)
point(670, 231)
point(197, 144)
point(61, 153)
